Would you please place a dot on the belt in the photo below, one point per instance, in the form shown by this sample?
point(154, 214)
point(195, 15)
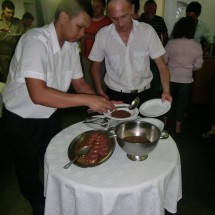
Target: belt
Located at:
point(131, 91)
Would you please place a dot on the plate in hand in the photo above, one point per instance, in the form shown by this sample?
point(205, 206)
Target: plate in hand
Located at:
point(154, 108)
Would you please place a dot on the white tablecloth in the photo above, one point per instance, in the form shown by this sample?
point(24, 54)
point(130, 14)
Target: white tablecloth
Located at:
point(117, 187)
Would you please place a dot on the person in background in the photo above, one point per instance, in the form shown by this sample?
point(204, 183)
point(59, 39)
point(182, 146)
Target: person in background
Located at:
point(9, 36)
point(99, 20)
point(202, 35)
point(26, 22)
point(46, 62)
point(136, 3)
point(211, 132)
point(183, 56)
point(126, 46)
point(149, 16)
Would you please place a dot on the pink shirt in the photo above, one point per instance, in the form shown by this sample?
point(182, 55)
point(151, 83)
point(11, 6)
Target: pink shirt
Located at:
point(183, 56)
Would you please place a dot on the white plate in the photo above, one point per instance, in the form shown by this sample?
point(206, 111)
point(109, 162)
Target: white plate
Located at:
point(154, 108)
point(153, 121)
point(134, 113)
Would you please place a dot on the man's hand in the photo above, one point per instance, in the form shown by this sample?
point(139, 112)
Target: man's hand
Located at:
point(100, 104)
point(166, 96)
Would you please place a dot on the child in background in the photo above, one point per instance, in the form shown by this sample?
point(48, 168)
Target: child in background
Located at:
point(183, 56)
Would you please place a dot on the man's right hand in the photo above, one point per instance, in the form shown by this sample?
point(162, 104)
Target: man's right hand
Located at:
point(100, 104)
point(102, 93)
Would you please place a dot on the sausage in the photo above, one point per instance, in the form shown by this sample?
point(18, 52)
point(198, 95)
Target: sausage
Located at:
point(99, 148)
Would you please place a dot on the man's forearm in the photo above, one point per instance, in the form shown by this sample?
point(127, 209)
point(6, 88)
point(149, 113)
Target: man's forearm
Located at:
point(96, 75)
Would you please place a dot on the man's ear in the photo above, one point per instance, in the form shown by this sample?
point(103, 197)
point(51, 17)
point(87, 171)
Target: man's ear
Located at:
point(63, 17)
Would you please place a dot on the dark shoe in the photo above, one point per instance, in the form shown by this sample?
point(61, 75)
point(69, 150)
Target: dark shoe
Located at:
point(179, 133)
point(39, 210)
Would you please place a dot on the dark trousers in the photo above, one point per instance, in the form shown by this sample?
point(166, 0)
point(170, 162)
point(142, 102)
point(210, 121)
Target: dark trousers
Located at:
point(28, 141)
point(181, 96)
point(155, 83)
point(213, 102)
point(127, 98)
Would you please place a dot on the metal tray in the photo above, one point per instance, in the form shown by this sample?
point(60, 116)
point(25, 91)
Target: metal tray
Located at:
point(77, 141)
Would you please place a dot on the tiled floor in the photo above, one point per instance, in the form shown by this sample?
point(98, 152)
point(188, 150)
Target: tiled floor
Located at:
point(197, 159)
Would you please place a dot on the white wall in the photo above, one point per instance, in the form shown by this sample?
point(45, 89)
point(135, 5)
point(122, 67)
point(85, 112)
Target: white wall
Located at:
point(49, 7)
point(207, 14)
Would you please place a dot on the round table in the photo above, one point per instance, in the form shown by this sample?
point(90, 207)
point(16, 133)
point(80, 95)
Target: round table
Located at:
point(118, 186)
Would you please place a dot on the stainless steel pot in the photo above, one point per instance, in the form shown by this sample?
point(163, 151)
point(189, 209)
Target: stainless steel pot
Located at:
point(136, 150)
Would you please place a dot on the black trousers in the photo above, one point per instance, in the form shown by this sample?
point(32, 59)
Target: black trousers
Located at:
point(156, 82)
point(213, 102)
point(128, 97)
point(28, 140)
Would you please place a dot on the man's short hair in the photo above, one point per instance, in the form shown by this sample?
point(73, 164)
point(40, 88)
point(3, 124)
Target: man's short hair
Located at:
point(8, 4)
point(103, 2)
point(73, 7)
point(150, 2)
point(194, 7)
point(28, 16)
point(129, 1)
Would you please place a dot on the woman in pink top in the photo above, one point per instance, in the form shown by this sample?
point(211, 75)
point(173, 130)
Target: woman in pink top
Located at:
point(183, 56)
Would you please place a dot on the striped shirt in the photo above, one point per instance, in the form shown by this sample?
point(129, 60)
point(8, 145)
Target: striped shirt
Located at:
point(156, 22)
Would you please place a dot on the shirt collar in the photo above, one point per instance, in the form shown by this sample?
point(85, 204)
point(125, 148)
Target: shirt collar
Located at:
point(55, 42)
point(54, 38)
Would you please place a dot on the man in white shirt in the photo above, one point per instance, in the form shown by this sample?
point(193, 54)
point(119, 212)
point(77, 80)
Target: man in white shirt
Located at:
point(126, 46)
point(45, 63)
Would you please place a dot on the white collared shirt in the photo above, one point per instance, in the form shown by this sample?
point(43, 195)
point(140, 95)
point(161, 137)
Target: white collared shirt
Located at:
point(128, 67)
point(38, 55)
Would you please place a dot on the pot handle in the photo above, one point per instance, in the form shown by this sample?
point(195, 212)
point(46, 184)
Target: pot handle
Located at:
point(110, 129)
point(164, 134)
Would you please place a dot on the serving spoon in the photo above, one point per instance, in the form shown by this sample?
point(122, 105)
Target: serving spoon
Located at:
point(133, 104)
point(83, 151)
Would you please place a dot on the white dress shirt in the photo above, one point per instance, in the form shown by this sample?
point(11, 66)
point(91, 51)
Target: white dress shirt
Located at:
point(38, 55)
point(127, 66)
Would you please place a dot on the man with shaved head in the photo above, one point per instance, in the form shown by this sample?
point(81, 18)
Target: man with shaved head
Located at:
point(126, 46)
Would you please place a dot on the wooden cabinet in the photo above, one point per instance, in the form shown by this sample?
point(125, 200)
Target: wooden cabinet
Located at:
point(203, 82)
